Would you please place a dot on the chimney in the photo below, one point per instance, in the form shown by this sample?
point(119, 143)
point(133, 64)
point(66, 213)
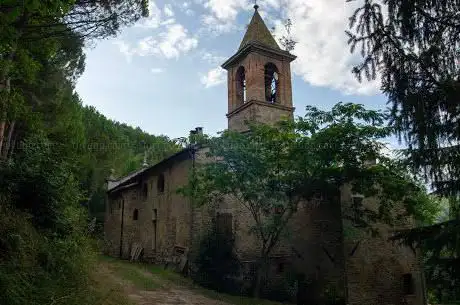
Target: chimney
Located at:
point(112, 175)
point(195, 134)
point(192, 137)
point(370, 162)
point(144, 163)
point(111, 180)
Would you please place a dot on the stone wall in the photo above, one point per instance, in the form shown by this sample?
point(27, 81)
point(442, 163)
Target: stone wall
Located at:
point(164, 217)
point(375, 267)
point(312, 247)
point(320, 247)
point(256, 111)
point(112, 225)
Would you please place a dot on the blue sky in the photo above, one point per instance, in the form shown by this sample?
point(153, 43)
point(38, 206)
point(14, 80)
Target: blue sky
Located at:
point(163, 74)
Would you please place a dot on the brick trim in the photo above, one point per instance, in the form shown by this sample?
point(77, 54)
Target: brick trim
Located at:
point(255, 102)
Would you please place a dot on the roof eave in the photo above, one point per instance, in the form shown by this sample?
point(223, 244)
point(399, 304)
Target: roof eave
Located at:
point(143, 171)
point(256, 46)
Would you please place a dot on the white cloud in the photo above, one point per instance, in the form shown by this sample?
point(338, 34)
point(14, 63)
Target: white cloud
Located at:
point(153, 21)
point(172, 43)
point(324, 58)
point(212, 58)
point(225, 9)
point(221, 14)
point(168, 22)
point(323, 55)
point(168, 11)
point(185, 7)
point(125, 49)
point(175, 41)
point(157, 70)
point(217, 26)
point(214, 77)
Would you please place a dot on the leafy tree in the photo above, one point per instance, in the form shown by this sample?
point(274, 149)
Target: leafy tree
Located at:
point(414, 46)
point(59, 26)
point(270, 170)
point(216, 262)
point(109, 146)
point(54, 153)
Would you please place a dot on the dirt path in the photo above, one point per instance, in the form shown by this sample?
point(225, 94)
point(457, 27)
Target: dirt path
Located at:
point(167, 292)
point(181, 296)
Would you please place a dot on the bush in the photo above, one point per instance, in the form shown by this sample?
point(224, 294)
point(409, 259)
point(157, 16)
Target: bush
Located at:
point(281, 289)
point(46, 254)
point(40, 269)
point(217, 266)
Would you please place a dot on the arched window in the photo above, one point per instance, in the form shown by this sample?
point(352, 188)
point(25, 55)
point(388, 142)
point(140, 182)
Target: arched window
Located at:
point(241, 86)
point(271, 83)
point(161, 183)
point(145, 191)
point(135, 214)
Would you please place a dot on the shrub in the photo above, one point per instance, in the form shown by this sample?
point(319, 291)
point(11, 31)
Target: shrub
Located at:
point(46, 253)
point(216, 264)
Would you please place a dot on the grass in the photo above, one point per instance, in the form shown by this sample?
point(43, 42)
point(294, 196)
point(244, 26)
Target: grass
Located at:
point(106, 292)
point(234, 299)
point(136, 274)
point(138, 279)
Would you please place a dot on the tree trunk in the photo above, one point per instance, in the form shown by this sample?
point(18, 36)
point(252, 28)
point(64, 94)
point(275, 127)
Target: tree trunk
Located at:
point(12, 148)
point(260, 273)
point(5, 79)
point(9, 139)
point(258, 284)
point(2, 132)
point(4, 85)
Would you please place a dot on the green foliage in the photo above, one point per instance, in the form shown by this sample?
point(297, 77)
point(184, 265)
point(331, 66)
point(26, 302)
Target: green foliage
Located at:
point(414, 46)
point(54, 153)
point(216, 263)
point(270, 170)
point(38, 267)
point(109, 145)
point(169, 279)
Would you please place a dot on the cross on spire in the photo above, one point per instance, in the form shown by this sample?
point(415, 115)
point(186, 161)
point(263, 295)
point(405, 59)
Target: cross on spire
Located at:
point(255, 5)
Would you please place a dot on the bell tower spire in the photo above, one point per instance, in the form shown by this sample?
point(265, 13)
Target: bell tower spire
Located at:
point(259, 78)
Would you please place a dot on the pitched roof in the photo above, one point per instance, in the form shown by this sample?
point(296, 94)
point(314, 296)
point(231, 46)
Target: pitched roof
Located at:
point(258, 32)
point(114, 185)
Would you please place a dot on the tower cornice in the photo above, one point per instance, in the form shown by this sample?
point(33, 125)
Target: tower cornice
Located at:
point(258, 48)
point(264, 104)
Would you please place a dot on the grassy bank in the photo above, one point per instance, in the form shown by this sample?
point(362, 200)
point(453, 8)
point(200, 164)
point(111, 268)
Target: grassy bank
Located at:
point(150, 277)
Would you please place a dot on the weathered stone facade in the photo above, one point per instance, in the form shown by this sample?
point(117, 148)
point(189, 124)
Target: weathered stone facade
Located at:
point(328, 256)
point(154, 215)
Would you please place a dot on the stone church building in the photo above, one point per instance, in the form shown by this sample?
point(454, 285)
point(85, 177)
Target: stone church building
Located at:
point(145, 214)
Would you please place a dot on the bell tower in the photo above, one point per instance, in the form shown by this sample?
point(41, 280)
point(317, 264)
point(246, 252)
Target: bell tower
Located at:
point(259, 79)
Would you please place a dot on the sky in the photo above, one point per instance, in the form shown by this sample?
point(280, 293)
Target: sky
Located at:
point(163, 73)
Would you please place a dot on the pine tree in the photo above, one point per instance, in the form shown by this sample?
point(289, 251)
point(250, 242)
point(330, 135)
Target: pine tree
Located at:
point(414, 46)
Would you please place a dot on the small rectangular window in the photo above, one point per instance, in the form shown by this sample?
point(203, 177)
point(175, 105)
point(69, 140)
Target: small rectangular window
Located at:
point(224, 224)
point(280, 267)
point(408, 284)
point(357, 206)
